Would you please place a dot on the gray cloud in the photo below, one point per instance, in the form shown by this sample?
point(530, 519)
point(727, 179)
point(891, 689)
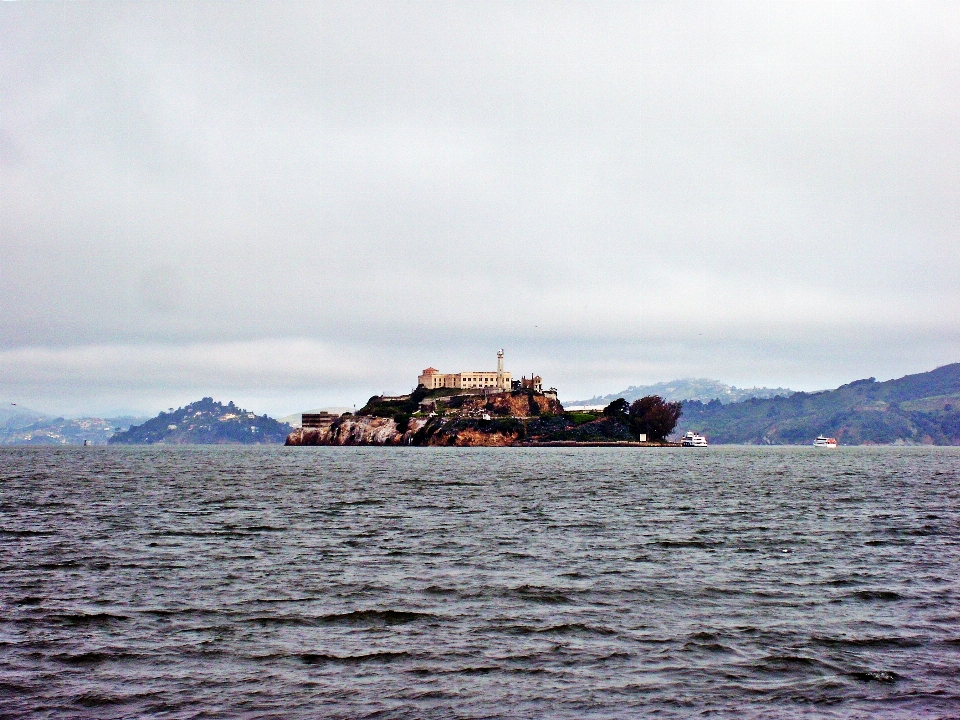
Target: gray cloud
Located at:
point(617, 193)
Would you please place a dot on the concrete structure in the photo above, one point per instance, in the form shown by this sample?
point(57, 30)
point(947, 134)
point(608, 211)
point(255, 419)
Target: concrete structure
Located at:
point(431, 378)
point(318, 420)
point(535, 383)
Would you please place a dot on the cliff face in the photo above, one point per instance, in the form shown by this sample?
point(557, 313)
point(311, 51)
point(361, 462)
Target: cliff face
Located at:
point(470, 433)
point(511, 404)
point(507, 413)
point(367, 430)
point(358, 430)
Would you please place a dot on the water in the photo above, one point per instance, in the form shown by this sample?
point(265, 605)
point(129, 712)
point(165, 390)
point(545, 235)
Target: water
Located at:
point(476, 583)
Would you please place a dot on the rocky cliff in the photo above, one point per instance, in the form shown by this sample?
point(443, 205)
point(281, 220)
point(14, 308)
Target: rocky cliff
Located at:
point(357, 430)
point(435, 431)
point(461, 420)
point(517, 404)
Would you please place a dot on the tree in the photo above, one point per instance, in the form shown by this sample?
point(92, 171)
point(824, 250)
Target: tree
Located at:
point(654, 417)
point(618, 410)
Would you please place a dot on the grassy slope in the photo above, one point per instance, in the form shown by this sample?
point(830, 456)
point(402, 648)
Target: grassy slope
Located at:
point(922, 408)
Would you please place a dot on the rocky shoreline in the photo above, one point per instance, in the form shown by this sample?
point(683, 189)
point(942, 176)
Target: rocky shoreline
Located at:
point(422, 432)
point(365, 430)
point(612, 443)
point(515, 418)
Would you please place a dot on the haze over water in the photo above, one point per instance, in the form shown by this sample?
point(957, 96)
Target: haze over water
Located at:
point(561, 583)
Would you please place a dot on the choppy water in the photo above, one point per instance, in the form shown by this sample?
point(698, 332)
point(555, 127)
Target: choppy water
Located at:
point(476, 583)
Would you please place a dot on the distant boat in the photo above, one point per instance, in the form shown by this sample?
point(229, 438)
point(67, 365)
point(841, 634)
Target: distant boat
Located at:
point(826, 442)
point(692, 439)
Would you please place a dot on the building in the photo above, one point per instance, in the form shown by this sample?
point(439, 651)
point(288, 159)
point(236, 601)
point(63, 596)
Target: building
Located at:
point(318, 420)
point(499, 380)
point(535, 383)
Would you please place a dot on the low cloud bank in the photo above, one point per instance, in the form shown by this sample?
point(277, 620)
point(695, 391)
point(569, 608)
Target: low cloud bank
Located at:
point(281, 376)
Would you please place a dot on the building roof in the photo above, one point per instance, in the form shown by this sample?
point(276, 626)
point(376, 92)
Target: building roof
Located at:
point(430, 371)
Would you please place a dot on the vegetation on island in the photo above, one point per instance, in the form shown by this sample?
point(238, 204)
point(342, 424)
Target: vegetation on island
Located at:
point(205, 422)
point(449, 402)
point(651, 418)
point(385, 406)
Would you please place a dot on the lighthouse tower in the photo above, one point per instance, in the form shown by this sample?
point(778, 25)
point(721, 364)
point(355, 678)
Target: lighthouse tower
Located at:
point(500, 378)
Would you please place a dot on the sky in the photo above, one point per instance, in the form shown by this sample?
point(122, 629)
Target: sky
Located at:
point(300, 205)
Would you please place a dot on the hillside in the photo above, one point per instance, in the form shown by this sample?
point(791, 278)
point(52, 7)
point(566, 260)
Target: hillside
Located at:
point(915, 409)
point(205, 422)
point(510, 403)
point(48, 430)
point(13, 417)
point(700, 389)
point(60, 431)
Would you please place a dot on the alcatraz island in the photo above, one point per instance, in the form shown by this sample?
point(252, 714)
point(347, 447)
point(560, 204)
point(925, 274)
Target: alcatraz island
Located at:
point(488, 409)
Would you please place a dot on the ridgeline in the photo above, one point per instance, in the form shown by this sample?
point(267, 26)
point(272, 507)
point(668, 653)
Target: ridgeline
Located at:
point(205, 422)
point(921, 409)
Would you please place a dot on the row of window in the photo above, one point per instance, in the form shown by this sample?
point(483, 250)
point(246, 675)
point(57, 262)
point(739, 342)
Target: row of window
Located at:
point(440, 382)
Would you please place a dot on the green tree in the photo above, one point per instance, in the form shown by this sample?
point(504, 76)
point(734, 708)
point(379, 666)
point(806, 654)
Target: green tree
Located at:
point(618, 410)
point(654, 417)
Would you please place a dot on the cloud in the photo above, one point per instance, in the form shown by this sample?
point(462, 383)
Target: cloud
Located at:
point(108, 376)
point(289, 375)
point(436, 180)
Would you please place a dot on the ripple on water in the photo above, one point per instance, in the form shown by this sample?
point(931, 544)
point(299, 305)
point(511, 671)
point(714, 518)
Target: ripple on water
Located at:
point(436, 583)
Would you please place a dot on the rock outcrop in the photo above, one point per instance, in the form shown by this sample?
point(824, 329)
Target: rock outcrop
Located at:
point(518, 404)
point(463, 420)
point(434, 431)
point(358, 430)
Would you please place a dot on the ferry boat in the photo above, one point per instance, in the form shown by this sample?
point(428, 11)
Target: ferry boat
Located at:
point(692, 439)
point(826, 442)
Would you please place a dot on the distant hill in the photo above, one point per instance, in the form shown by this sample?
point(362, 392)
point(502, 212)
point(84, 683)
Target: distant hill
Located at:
point(59, 431)
point(700, 389)
point(915, 409)
point(32, 428)
point(205, 422)
point(15, 416)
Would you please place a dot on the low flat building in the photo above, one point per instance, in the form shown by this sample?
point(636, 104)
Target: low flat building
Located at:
point(318, 420)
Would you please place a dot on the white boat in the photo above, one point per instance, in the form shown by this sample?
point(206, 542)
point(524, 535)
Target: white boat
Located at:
point(692, 439)
point(826, 442)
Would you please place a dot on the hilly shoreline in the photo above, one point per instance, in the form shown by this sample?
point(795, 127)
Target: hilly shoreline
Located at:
point(920, 409)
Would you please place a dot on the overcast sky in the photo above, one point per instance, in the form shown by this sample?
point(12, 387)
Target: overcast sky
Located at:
point(298, 205)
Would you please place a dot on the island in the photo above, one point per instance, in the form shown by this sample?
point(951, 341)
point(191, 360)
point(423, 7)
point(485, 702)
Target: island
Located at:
point(205, 422)
point(488, 409)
